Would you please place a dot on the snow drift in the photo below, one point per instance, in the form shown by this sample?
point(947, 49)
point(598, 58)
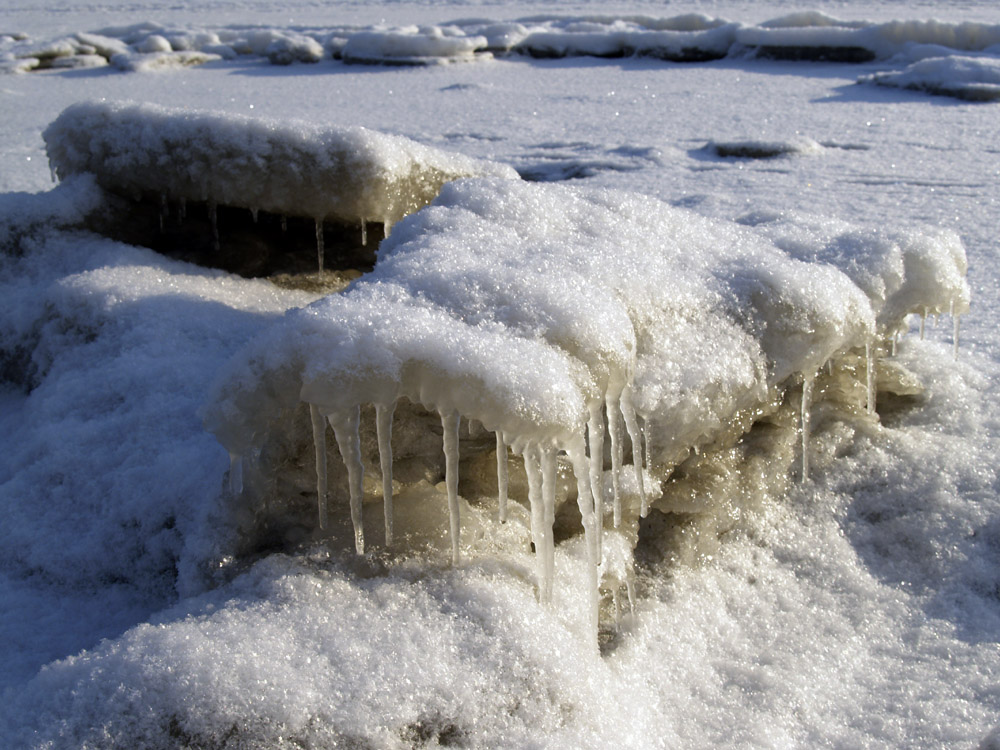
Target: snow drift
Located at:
point(553, 317)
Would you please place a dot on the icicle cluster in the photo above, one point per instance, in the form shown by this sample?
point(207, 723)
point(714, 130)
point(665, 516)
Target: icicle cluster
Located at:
point(564, 320)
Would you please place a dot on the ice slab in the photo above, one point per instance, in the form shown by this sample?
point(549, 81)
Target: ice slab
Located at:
point(296, 169)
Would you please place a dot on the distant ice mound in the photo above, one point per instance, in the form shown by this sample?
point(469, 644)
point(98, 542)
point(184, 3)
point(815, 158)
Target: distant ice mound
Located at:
point(975, 79)
point(692, 37)
point(555, 318)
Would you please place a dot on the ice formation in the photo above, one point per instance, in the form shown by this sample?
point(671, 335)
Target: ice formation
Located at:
point(686, 38)
point(553, 317)
point(351, 175)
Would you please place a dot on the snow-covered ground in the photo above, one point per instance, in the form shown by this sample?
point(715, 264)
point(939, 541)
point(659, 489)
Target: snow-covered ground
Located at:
point(720, 230)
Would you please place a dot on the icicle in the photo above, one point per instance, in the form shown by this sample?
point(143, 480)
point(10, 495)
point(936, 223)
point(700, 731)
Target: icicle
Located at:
point(449, 424)
point(923, 323)
point(253, 215)
point(386, 227)
point(595, 438)
point(164, 210)
point(284, 223)
point(895, 342)
point(870, 368)
point(319, 443)
point(807, 387)
point(632, 427)
point(346, 428)
point(613, 408)
point(532, 467)
point(319, 244)
point(584, 500)
point(235, 474)
point(383, 427)
point(213, 218)
point(630, 592)
point(364, 232)
point(502, 476)
point(548, 461)
point(829, 367)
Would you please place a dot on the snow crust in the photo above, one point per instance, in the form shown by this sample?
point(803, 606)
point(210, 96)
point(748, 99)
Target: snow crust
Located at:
point(297, 169)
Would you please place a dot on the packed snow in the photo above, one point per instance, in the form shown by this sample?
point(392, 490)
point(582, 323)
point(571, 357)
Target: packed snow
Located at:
point(752, 329)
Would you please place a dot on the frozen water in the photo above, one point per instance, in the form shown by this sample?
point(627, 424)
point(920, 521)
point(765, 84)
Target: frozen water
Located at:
point(147, 603)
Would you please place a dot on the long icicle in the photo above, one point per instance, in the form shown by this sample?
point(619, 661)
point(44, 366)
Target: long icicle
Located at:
point(502, 477)
point(450, 423)
point(213, 219)
point(613, 408)
point(585, 502)
point(954, 335)
point(632, 426)
point(383, 428)
point(807, 388)
point(364, 232)
point(533, 470)
point(870, 372)
point(319, 444)
point(346, 428)
point(595, 439)
point(320, 249)
point(547, 457)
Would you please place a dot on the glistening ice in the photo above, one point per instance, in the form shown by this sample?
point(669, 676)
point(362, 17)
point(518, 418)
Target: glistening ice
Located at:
point(543, 313)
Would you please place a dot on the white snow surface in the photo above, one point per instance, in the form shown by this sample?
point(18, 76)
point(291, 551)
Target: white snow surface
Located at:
point(858, 609)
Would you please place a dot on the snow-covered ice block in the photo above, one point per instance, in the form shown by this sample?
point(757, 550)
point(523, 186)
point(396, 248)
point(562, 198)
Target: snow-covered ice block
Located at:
point(350, 175)
point(539, 312)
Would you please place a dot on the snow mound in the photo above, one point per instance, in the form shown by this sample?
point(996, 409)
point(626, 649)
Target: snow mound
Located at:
point(352, 175)
point(970, 78)
point(542, 313)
